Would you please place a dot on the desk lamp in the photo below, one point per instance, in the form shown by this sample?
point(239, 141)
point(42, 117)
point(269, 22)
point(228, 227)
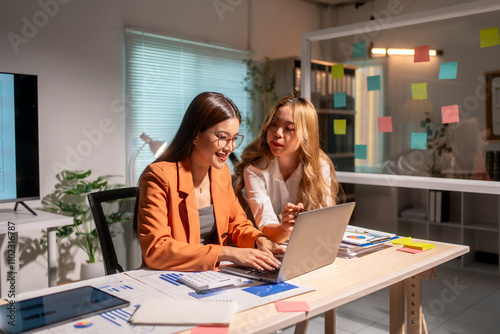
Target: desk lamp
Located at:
point(157, 147)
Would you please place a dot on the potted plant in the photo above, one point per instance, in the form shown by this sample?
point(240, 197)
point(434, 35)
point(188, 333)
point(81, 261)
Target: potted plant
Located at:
point(70, 198)
point(260, 83)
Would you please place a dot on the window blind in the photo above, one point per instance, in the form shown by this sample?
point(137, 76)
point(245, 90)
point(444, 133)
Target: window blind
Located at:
point(163, 75)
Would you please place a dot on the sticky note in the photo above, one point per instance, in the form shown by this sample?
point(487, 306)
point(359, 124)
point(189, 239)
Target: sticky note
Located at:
point(360, 151)
point(448, 70)
point(359, 50)
point(373, 82)
point(409, 250)
point(419, 140)
point(401, 241)
point(419, 245)
point(339, 126)
point(419, 91)
point(210, 330)
point(421, 54)
point(489, 37)
point(338, 71)
point(385, 124)
point(339, 100)
point(292, 306)
point(450, 114)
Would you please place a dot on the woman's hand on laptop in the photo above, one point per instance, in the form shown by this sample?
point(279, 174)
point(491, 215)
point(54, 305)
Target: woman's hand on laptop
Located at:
point(249, 257)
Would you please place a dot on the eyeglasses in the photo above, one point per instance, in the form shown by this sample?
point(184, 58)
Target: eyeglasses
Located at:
point(224, 140)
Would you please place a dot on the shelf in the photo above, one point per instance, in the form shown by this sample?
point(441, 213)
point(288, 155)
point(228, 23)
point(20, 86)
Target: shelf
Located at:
point(341, 155)
point(490, 227)
point(336, 112)
point(446, 224)
point(409, 220)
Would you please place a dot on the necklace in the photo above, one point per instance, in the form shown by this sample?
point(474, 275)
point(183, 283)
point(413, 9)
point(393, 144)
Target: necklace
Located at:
point(207, 179)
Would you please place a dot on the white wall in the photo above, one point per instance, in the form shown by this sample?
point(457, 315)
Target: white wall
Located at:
point(76, 49)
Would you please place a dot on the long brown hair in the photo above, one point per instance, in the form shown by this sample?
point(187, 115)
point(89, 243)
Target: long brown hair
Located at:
point(206, 110)
point(313, 189)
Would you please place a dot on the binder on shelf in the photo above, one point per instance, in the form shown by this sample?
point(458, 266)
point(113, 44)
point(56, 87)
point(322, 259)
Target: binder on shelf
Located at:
point(442, 206)
point(432, 205)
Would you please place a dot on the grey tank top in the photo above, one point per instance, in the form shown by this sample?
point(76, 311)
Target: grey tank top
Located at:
point(208, 229)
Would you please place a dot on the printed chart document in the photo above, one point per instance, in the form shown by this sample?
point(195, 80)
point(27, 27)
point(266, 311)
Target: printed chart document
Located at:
point(247, 295)
point(184, 312)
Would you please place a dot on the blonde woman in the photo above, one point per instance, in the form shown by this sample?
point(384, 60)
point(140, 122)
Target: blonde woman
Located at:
point(283, 171)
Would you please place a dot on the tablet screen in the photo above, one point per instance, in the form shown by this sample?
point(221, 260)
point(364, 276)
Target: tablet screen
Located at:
point(58, 307)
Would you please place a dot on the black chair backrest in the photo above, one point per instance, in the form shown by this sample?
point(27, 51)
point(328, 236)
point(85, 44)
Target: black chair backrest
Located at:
point(101, 220)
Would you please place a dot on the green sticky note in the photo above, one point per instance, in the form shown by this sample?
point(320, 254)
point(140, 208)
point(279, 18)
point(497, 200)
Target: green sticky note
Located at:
point(360, 151)
point(419, 91)
point(489, 37)
point(373, 82)
point(419, 140)
point(339, 126)
point(448, 70)
point(338, 71)
point(339, 100)
point(359, 50)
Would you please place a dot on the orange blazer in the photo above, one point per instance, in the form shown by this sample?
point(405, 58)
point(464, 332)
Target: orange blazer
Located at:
point(168, 224)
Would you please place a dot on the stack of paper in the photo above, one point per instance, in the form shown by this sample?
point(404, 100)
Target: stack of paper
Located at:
point(349, 251)
point(184, 312)
point(363, 236)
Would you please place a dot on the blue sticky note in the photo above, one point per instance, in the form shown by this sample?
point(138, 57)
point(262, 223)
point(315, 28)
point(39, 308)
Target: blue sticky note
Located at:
point(269, 289)
point(448, 70)
point(360, 151)
point(419, 140)
point(373, 82)
point(359, 50)
point(339, 100)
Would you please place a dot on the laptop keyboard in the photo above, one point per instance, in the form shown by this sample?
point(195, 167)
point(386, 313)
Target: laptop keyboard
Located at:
point(263, 273)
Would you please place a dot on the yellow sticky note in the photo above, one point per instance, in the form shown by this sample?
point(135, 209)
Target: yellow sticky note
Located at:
point(339, 126)
point(338, 71)
point(419, 91)
point(489, 37)
point(419, 245)
point(401, 241)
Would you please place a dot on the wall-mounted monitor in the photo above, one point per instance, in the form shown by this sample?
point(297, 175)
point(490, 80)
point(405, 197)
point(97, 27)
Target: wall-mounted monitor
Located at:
point(19, 155)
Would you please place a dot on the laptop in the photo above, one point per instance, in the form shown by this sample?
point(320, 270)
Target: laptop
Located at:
point(314, 243)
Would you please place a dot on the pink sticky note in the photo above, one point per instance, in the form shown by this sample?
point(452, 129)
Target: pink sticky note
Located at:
point(421, 54)
point(292, 306)
point(410, 250)
point(210, 330)
point(449, 114)
point(385, 124)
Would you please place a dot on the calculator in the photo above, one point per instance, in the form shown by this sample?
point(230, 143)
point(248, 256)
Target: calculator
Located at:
point(207, 280)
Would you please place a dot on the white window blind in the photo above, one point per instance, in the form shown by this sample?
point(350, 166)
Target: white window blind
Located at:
point(163, 75)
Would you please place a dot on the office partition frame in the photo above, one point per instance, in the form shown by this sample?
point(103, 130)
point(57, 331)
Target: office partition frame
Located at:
point(456, 11)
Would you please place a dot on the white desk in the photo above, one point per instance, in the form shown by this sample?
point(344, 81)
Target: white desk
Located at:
point(21, 221)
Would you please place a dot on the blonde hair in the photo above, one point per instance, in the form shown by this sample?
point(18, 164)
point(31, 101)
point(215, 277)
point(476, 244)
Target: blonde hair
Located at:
point(314, 190)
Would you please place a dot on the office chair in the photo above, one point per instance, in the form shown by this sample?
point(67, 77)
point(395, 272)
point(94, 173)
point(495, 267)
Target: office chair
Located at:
point(107, 207)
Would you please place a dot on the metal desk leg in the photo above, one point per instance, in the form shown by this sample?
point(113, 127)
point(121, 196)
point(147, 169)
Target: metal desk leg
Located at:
point(52, 256)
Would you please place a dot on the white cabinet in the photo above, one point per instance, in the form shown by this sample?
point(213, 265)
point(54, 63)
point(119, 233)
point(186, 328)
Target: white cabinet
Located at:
point(473, 220)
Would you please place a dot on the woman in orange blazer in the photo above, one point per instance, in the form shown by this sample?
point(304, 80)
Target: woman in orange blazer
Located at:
point(187, 210)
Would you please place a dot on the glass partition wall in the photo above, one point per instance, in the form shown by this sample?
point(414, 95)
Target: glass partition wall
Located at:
point(427, 88)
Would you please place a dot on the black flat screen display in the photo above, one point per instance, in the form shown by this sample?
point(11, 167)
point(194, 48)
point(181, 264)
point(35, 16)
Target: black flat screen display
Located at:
point(19, 154)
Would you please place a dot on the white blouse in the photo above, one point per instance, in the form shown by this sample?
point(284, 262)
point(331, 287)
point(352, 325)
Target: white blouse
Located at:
point(267, 193)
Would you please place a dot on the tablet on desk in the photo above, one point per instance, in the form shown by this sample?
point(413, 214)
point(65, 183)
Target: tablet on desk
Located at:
point(56, 308)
